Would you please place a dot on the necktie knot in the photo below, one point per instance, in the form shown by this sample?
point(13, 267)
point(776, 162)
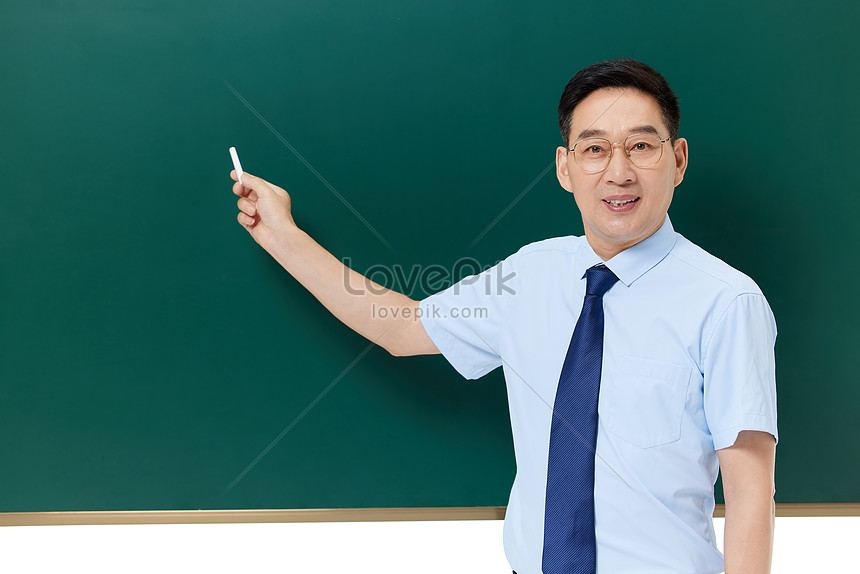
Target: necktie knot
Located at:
point(599, 279)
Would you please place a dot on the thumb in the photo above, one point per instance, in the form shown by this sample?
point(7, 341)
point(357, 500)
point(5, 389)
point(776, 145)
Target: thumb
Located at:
point(257, 184)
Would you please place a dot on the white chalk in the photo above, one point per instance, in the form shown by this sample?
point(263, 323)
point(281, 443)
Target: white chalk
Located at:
point(236, 164)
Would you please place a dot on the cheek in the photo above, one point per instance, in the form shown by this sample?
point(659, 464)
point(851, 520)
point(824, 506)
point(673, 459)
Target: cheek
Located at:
point(663, 184)
point(584, 185)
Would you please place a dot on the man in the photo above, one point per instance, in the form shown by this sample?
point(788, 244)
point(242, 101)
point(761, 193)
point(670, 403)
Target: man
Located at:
point(637, 365)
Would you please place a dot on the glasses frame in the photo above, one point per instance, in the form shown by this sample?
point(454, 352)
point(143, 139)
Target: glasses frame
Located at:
point(612, 150)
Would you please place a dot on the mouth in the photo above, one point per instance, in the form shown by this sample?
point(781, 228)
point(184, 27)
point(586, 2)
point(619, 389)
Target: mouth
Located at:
point(621, 204)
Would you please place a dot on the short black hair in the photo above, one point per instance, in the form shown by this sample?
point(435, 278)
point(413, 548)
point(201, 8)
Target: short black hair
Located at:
point(618, 73)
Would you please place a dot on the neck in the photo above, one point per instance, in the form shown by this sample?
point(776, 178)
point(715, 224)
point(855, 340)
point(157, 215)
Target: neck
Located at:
point(606, 248)
point(607, 251)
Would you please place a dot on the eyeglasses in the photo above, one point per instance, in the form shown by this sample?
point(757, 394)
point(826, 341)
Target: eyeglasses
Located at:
point(592, 155)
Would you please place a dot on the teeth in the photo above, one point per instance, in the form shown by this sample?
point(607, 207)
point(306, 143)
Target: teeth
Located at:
point(617, 203)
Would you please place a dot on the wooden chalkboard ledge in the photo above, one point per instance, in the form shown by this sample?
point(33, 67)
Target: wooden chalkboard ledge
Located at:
point(331, 515)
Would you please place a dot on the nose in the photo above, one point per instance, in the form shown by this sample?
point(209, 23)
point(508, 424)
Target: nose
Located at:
point(620, 169)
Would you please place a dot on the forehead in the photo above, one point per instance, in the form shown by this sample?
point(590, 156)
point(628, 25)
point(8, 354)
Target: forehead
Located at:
point(616, 112)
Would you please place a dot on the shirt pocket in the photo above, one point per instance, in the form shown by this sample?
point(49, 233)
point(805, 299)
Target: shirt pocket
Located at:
point(644, 400)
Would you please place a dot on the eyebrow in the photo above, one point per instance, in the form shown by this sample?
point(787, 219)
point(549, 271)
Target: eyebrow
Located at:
point(589, 133)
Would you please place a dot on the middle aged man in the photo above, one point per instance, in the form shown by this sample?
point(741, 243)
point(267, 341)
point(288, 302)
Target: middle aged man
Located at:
point(637, 365)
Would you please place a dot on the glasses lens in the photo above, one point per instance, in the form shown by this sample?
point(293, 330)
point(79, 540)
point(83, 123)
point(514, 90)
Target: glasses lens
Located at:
point(644, 150)
point(592, 154)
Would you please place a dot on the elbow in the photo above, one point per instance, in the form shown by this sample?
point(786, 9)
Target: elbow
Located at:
point(408, 338)
point(759, 500)
point(395, 346)
point(396, 352)
point(746, 494)
point(411, 348)
point(403, 350)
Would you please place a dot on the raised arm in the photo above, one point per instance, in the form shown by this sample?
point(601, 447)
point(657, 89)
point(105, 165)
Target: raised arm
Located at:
point(265, 212)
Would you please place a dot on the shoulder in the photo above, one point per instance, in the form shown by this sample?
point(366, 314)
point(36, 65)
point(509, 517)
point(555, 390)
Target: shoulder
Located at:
point(548, 248)
point(539, 258)
point(700, 265)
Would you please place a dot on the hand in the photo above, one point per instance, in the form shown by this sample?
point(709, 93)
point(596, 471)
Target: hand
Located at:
point(264, 208)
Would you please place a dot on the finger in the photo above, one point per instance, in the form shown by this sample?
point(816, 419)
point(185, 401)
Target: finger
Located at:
point(258, 184)
point(246, 206)
point(248, 179)
point(241, 190)
point(246, 221)
point(235, 177)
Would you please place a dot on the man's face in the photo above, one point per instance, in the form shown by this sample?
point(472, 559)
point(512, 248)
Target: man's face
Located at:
point(615, 113)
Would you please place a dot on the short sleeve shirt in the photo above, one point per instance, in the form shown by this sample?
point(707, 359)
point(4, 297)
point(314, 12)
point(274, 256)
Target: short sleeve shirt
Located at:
point(687, 364)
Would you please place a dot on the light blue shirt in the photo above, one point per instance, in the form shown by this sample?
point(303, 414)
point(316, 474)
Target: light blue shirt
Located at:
point(687, 364)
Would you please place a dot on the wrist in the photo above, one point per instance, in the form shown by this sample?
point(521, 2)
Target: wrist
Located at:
point(284, 243)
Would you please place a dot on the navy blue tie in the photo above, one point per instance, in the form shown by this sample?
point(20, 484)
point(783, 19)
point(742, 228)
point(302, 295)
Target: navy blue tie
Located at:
point(569, 544)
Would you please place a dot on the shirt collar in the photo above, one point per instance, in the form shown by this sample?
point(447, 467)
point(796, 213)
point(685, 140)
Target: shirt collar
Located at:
point(635, 261)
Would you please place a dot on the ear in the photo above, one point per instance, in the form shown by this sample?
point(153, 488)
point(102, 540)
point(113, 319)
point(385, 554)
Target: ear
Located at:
point(561, 167)
point(680, 160)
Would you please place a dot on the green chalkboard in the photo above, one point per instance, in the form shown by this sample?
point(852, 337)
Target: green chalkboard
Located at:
point(152, 356)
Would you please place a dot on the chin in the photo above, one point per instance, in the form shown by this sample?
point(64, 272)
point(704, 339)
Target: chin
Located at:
point(624, 231)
